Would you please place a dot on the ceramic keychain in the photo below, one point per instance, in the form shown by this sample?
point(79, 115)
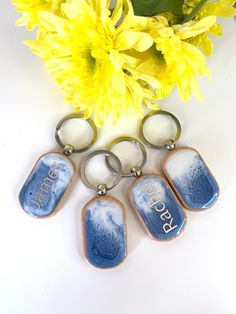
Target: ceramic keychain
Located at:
point(151, 198)
point(103, 220)
point(185, 170)
point(43, 192)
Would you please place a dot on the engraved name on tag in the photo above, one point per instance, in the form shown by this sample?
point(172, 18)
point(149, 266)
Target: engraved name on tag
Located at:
point(157, 207)
point(46, 185)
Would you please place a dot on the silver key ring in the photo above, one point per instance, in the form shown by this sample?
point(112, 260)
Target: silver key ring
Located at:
point(103, 187)
point(170, 144)
point(136, 170)
point(68, 149)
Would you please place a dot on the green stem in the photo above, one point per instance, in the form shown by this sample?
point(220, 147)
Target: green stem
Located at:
point(194, 11)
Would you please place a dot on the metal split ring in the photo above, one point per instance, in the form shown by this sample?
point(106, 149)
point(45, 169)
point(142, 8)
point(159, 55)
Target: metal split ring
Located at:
point(136, 169)
point(170, 144)
point(101, 188)
point(68, 149)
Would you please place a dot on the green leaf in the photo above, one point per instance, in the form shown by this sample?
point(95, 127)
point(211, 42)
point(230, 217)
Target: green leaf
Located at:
point(152, 7)
point(194, 11)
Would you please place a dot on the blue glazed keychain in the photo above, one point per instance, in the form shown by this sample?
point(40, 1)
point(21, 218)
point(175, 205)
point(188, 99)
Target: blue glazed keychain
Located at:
point(103, 221)
point(44, 190)
point(152, 198)
point(185, 170)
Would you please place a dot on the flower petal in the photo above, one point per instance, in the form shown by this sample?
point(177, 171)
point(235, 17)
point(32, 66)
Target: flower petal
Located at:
point(191, 28)
point(139, 41)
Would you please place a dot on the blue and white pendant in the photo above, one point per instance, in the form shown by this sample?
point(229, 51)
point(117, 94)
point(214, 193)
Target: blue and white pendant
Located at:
point(45, 188)
point(157, 207)
point(104, 232)
point(190, 178)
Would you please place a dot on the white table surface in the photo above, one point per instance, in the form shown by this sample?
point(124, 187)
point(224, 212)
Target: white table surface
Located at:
point(41, 267)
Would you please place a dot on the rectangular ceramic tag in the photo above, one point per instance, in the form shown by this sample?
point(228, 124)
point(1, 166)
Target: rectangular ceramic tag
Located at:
point(46, 185)
point(104, 232)
point(190, 178)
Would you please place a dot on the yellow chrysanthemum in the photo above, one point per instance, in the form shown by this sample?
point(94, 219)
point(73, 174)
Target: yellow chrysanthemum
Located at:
point(85, 51)
point(30, 10)
point(221, 8)
point(153, 63)
point(179, 61)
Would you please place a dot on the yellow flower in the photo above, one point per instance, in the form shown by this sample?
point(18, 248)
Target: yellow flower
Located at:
point(85, 51)
point(153, 63)
point(179, 61)
point(221, 8)
point(31, 8)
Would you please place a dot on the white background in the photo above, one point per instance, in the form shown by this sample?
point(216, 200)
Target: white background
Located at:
point(41, 267)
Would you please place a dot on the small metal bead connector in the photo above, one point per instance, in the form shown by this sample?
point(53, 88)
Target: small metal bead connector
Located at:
point(68, 149)
point(170, 145)
point(136, 171)
point(102, 189)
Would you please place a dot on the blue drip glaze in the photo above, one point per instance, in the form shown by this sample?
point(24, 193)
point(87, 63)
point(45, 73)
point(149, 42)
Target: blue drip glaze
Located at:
point(151, 197)
point(46, 185)
point(105, 235)
point(193, 181)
